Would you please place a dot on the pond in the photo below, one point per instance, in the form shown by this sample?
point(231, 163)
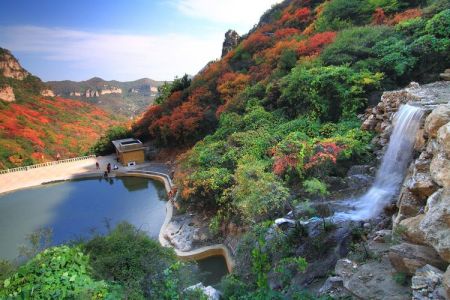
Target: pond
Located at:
point(77, 209)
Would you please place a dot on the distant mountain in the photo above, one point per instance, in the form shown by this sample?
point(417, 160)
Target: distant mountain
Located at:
point(128, 98)
point(35, 125)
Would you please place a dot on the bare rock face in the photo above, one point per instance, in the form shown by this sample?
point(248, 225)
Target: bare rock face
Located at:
point(440, 170)
point(427, 284)
point(371, 281)
point(443, 139)
point(47, 93)
point(231, 41)
point(436, 119)
point(412, 232)
point(436, 223)
point(407, 258)
point(10, 67)
point(7, 94)
point(421, 185)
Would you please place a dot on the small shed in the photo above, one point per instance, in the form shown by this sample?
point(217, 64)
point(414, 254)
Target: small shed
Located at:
point(129, 151)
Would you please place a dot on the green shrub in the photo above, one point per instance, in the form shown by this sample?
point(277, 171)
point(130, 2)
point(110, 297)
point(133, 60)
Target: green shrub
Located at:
point(129, 257)
point(56, 273)
point(327, 93)
point(104, 145)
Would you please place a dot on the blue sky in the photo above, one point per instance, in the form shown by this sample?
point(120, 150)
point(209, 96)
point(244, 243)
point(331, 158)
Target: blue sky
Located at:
point(123, 40)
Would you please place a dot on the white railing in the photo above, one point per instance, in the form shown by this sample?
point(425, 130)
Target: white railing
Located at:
point(46, 164)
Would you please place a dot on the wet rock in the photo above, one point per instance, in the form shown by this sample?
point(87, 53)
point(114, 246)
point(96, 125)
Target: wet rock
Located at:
point(436, 223)
point(420, 140)
point(407, 258)
point(427, 284)
point(179, 233)
point(438, 117)
point(421, 185)
point(372, 280)
point(210, 292)
point(446, 282)
point(422, 164)
point(412, 232)
point(443, 138)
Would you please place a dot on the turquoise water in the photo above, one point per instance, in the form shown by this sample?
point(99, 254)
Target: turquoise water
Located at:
point(77, 209)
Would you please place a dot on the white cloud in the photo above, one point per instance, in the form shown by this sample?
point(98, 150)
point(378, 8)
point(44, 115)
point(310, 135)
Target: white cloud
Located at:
point(239, 14)
point(114, 55)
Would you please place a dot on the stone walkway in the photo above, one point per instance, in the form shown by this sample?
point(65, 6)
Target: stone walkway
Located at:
point(64, 171)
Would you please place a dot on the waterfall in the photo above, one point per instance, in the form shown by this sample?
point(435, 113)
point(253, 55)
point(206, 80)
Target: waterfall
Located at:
point(392, 170)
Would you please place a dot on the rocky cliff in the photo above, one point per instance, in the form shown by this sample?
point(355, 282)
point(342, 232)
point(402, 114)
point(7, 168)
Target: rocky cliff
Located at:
point(10, 67)
point(417, 246)
point(125, 98)
point(232, 39)
point(15, 80)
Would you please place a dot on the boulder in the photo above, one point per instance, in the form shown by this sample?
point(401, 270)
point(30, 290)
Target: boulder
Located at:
point(210, 292)
point(407, 258)
point(443, 138)
point(412, 232)
point(334, 287)
point(437, 118)
point(421, 185)
point(427, 284)
point(446, 282)
point(440, 170)
point(436, 223)
point(372, 280)
point(408, 205)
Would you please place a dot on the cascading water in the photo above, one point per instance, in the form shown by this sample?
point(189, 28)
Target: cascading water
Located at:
point(392, 170)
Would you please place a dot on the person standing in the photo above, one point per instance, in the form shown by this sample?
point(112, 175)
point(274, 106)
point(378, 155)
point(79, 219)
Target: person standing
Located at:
point(108, 168)
point(97, 165)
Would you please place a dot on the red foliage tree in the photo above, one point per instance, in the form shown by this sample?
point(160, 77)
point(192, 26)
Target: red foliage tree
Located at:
point(315, 43)
point(378, 16)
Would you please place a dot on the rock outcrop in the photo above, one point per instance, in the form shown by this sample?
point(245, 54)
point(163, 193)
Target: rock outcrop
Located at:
point(231, 41)
point(407, 258)
point(107, 90)
point(47, 93)
point(427, 284)
point(10, 67)
point(7, 94)
point(421, 226)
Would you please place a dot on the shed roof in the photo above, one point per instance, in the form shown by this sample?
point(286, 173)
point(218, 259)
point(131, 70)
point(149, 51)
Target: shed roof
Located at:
point(127, 145)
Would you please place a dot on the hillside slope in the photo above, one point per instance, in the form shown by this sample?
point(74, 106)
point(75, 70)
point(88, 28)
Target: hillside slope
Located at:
point(126, 98)
point(275, 126)
point(35, 127)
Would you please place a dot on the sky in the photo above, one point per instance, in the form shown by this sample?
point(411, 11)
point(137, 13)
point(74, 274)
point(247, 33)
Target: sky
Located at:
point(123, 39)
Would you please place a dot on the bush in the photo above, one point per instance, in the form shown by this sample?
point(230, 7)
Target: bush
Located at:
point(129, 257)
point(104, 145)
point(56, 273)
point(327, 93)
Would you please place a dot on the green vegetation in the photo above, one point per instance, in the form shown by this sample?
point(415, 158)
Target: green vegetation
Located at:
point(104, 145)
point(125, 264)
point(59, 272)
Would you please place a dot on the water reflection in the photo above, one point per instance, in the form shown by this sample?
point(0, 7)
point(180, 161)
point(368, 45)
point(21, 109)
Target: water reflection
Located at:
point(76, 209)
